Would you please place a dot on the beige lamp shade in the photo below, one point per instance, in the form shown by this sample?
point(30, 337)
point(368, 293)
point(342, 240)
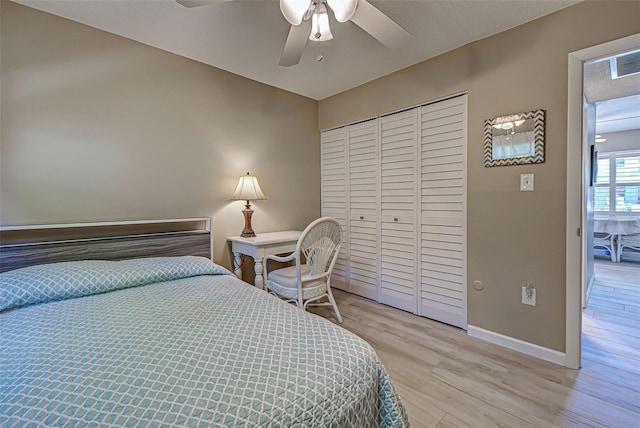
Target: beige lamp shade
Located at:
point(248, 189)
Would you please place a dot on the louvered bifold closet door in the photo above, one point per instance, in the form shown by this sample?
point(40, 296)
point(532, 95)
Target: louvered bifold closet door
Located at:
point(363, 208)
point(334, 194)
point(443, 131)
point(398, 173)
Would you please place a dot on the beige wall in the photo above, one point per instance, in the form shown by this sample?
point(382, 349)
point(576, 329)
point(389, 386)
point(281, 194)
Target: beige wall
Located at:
point(513, 237)
point(98, 127)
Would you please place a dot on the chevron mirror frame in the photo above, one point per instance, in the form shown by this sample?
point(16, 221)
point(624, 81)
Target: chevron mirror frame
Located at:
point(516, 139)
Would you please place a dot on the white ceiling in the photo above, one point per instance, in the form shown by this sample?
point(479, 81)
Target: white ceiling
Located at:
point(246, 37)
point(617, 100)
point(618, 114)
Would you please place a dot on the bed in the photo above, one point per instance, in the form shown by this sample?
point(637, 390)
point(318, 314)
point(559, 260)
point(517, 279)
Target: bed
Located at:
point(176, 341)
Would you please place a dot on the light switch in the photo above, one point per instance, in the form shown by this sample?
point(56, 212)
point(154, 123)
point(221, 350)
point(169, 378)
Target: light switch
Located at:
point(526, 182)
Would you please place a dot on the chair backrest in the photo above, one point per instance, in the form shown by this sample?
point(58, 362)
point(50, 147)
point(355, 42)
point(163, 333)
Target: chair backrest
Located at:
point(320, 243)
point(632, 240)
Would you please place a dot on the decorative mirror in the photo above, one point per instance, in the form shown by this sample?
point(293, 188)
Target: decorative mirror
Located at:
point(516, 139)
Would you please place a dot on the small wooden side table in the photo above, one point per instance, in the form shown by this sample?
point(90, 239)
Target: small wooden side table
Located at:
point(261, 245)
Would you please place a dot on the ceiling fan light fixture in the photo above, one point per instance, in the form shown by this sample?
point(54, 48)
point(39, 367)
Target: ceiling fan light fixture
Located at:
point(320, 30)
point(343, 10)
point(294, 10)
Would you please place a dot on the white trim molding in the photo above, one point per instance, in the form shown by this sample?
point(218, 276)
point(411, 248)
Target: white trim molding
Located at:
point(518, 345)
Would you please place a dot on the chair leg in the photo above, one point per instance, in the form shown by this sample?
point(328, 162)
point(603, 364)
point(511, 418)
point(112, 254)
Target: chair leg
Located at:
point(333, 303)
point(613, 251)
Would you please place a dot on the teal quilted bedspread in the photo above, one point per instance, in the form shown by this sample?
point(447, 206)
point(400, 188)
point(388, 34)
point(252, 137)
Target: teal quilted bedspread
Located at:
point(195, 349)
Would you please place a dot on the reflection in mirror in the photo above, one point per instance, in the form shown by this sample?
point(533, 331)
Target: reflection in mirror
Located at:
point(515, 139)
point(512, 139)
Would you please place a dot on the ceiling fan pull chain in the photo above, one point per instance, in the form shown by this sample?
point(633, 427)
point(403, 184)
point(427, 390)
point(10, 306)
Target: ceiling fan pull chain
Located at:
point(319, 56)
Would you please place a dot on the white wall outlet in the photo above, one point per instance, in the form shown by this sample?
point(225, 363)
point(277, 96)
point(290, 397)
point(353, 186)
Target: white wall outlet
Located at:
point(529, 296)
point(526, 182)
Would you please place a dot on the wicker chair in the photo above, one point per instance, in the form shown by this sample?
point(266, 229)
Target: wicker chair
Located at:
point(309, 281)
point(605, 240)
point(628, 241)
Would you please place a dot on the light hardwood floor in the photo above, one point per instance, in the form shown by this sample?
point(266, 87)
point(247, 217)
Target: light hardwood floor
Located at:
point(448, 379)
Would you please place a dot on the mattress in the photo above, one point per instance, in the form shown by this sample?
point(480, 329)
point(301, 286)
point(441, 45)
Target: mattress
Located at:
point(177, 342)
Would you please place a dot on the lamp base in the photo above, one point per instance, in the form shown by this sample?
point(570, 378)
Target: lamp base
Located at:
point(248, 234)
point(248, 231)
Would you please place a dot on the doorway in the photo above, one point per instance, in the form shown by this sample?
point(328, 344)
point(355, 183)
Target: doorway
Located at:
point(611, 262)
point(582, 190)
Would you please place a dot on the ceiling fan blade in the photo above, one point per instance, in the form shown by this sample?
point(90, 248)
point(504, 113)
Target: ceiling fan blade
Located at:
point(196, 3)
point(379, 25)
point(295, 44)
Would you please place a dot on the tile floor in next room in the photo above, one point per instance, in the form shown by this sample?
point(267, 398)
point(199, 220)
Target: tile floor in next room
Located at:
point(448, 379)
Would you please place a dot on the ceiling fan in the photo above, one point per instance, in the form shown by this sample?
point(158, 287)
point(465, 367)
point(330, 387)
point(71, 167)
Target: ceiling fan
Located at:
point(309, 20)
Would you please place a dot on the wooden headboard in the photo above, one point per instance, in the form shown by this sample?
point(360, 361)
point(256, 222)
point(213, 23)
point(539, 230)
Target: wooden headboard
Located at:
point(22, 246)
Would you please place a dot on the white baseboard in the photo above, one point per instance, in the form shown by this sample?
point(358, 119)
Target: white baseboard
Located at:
point(527, 348)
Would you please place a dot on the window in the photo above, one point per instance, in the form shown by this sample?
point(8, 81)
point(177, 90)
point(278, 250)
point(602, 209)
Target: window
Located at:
point(617, 188)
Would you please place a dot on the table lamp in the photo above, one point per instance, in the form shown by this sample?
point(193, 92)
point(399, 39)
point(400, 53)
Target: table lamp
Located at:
point(248, 189)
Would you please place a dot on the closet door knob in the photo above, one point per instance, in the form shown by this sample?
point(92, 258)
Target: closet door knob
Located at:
point(361, 217)
point(395, 219)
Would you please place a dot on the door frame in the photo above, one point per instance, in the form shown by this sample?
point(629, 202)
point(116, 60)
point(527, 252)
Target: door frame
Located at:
point(575, 216)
